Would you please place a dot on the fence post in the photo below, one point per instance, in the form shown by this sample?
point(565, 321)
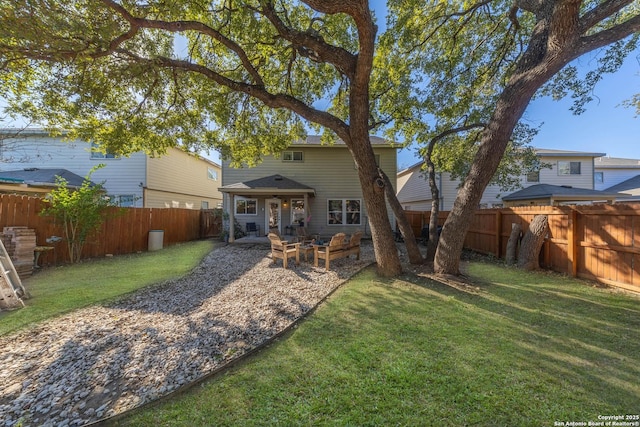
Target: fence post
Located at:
point(498, 239)
point(572, 249)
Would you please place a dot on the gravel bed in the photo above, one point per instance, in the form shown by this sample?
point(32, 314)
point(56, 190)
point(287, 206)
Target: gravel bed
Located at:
point(103, 360)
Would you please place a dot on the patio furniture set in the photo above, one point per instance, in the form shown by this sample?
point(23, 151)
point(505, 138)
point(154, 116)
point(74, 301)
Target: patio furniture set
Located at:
point(337, 247)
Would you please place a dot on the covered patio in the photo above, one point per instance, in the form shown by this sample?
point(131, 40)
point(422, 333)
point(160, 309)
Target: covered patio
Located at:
point(272, 202)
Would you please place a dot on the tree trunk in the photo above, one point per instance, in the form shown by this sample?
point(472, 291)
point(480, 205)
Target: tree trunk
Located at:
point(415, 257)
point(512, 243)
point(532, 243)
point(432, 244)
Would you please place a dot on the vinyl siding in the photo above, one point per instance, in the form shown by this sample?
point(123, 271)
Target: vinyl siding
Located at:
point(330, 170)
point(120, 176)
point(179, 179)
point(413, 189)
point(613, 177)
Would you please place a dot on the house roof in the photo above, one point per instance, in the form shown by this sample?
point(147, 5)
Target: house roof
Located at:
point(276, 184)
point(548, 152)
point(40, 177)
point(631, 187)
point(559, 192)
point(315, 140)
point(616, 163)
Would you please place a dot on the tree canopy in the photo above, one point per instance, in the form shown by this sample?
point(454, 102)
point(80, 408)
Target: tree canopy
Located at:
point(249, 76)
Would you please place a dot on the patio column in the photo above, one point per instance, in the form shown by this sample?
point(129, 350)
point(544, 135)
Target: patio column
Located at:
point(306, 209)
point(232, 208)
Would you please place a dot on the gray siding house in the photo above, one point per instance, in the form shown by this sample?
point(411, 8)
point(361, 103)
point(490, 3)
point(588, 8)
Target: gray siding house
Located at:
point(569, 169)
point(308, 184)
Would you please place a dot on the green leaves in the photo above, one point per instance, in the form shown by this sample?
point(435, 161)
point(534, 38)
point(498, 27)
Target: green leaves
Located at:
point(80, 211)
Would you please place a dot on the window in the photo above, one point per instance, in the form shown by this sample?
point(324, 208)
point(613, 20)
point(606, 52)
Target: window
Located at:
point(598, 177)
point(247, 207)
point(343, 211)
point(96, 152)
point(297, 211)
point(533, 176)
point(292, 156)
point(212, 174)
point(204, 205)
point(123, 200)
point(568, 168)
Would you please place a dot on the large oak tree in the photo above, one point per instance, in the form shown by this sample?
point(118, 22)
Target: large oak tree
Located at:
point(246, 77)
point(478, 64)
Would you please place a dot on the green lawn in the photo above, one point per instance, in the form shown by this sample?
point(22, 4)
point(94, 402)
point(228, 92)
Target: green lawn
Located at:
point(524, 349)
point(59, 290)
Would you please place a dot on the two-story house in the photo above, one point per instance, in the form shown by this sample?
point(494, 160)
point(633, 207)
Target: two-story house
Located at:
point(308, 184)
point(177, 179)
point(570, 178)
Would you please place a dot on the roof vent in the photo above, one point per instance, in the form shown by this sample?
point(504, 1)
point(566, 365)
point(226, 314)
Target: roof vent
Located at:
point(278, 178)
point(30, 169)
point(566, 186)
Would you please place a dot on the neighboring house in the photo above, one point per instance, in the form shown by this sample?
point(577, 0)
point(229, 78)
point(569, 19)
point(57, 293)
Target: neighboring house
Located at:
point(610, 171)
point(630, 188)
point(177, 179)
point(569, 169)
point(307, 184)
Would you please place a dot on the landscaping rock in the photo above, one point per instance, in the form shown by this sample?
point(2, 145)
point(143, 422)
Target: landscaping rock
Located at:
point(107, 359)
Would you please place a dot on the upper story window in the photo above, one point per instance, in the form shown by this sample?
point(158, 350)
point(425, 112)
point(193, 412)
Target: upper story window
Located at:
point(212, 174)
point(96, 153)
point(568, 168)
point(598, 177)
point(292, 156)
point(533, 176)
point(246, 206)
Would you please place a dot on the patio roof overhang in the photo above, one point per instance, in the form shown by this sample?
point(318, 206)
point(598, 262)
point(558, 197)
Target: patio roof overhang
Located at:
point(274, 185)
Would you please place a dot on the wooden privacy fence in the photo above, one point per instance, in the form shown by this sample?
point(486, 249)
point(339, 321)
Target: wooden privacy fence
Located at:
point(597, 242)
point(125, 231)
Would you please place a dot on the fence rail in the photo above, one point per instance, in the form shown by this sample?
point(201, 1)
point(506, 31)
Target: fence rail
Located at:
point(125, 231)
point(597, 242)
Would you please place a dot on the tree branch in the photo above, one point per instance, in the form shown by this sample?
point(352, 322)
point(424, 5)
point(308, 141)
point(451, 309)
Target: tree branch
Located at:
point(257, 91)
point(182, 26)
point(601, 12)
point(606, 37)
point(312, 45)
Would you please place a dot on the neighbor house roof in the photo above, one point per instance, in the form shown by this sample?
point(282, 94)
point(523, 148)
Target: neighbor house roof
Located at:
point(616, 163)
point(315, 140)
point(268, 184)
point(547, 152)
point(40, 177)
point(560, 193)
point(631, 188)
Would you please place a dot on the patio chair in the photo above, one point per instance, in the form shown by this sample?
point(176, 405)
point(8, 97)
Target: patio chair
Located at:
point(252, 227)
point(283, 250)
point(335, 249)
point(353, 246)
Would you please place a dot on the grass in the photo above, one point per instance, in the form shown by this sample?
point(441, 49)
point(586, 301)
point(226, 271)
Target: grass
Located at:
point(59, 290)
point(525, 349)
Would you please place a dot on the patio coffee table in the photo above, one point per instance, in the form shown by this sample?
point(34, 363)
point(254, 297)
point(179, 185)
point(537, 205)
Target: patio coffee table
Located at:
point(306, 250)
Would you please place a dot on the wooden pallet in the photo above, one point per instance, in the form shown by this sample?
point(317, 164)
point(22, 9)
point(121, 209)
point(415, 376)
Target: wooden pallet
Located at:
point(11, 289)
